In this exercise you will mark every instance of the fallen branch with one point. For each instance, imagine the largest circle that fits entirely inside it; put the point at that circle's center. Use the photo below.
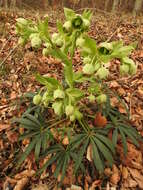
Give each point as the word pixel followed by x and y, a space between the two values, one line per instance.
pixel 8 55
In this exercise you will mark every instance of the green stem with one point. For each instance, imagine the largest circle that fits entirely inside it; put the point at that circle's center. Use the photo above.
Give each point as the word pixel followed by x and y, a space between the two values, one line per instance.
pixel 57 123
pixel 83 126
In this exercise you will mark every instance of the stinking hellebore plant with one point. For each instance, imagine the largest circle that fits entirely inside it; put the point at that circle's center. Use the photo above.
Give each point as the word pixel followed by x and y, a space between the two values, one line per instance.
pixel 65 97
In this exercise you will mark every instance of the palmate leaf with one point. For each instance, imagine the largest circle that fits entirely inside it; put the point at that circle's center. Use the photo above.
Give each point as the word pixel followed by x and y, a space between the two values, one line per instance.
pixel 90 47
pixel 131 136
pixel 48 81
pixel 49 162
pixel 87 14
pixel 27 152
pixel 80 155
pixel 69 13
pixel 65 163
pixel 27 124
pixel 106 141
pixel 115 137
pixel 28 135
pixel 74 157
pixel 77 141
pixel 68 71
pixel 60 156
pixel 102 147
pixel 38 133
pixel 33 119
pixel 96 157
pixel 125 131
pixel 59 164
pixel 124 142
pixel 104 151
pixel 38 147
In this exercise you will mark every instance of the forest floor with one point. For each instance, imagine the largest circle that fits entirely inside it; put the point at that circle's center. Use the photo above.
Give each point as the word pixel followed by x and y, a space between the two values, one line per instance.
pixel 17 68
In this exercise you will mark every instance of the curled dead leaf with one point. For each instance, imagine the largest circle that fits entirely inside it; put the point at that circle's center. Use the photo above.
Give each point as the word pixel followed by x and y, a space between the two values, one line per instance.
pixel 100 121
pixel 125 173
pixel 21 184
pixel 25 174
pixel 137 176
pixel 89 153
pixel 66 180
pixel 4 126
pixel 115 177
pixel 133 157
pixel 95 184
pixel 75 187
pixel 108 172
pixel 12 136
pixel 65 141
pixel 40 187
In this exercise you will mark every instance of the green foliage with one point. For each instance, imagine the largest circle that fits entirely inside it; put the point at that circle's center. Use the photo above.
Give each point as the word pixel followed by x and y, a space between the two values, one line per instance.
pixel 102 147
pixel 66 99
pixel 38 133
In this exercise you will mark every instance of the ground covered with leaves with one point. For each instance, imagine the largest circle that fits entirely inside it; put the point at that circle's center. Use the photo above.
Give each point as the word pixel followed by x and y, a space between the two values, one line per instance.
pixel 17 68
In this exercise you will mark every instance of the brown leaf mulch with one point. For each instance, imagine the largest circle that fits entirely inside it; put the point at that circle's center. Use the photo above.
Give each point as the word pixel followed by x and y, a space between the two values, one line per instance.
pixel 17 77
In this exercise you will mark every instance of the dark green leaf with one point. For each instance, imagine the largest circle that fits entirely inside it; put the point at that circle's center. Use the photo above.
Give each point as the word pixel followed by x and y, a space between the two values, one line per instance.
pixel 96 157
pixel 106 141
pixel 33 119
pixel 104 150
pixel 59 164
pixel 49 162
pixel 123 137
pixel 80 155
pixel 38 147
pixel 134 141
pixel 115 137
pixel 27 151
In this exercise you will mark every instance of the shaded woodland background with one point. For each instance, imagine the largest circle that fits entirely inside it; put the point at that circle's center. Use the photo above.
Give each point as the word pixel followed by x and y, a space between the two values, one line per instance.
pixel 133 6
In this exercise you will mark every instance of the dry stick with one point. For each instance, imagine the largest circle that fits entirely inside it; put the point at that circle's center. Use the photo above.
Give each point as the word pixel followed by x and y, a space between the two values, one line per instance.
pixel 8 55
pixel 5 44
pixel 130 106
pixel 112 34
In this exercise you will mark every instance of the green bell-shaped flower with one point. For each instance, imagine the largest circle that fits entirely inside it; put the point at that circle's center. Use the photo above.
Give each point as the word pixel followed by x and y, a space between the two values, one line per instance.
pixel 21 41
pixel 36 42
pixel 55 37
pixel 102 73
pixel 77 22
pixel 124 69
pixel 91 98
pixel 78 115
pixel 45 52
pixel 72 118
pixel 69 110
pixel 86 23
pixel 88 69
pixel 101 98
pixel 21 21
pixel 133 69
pixel 37 99
pixel 33 35
pixel 58 107
pixel 67 26
pixel 80 42
pixel 87 60
pixel 59 94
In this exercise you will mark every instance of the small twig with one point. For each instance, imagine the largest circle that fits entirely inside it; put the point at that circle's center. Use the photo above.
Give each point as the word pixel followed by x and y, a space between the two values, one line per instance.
pixel 8 55
pixel 130 105
pixel 112 34
pixel 5 44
